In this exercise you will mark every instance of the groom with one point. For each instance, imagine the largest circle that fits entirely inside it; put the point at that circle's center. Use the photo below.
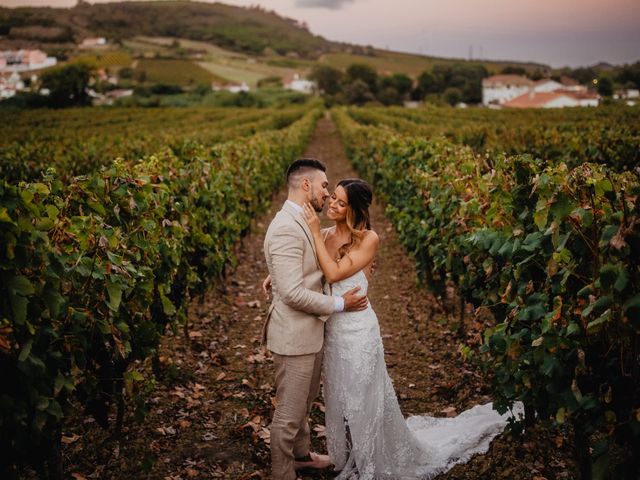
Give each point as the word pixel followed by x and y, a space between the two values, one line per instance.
pixel 294 328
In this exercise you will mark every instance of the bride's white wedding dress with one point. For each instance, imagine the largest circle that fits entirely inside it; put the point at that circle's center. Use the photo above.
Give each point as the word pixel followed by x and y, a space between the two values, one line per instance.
pixel 360 399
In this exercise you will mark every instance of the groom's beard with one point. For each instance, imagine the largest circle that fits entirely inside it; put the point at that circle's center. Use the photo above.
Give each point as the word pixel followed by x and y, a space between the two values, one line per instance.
pixel 317 204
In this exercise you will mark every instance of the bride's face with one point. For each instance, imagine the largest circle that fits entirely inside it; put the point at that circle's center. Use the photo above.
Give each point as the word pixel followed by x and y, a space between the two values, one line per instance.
pixel 338 204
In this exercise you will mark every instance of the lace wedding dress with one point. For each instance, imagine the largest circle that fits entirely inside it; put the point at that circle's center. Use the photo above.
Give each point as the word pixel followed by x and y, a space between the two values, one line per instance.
pixel 367 435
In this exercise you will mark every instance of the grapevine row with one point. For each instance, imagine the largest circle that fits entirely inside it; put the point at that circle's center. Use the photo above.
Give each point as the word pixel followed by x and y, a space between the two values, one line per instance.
pixel 93 271
pixel 86 140
pixel 610 136
pixel 552 251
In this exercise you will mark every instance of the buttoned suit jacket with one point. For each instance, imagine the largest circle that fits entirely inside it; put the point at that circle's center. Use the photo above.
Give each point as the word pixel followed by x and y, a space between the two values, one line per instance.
pixel 295 320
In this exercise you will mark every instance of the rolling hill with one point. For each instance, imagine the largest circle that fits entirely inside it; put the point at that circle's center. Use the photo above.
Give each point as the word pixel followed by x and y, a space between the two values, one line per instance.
pixel 275 45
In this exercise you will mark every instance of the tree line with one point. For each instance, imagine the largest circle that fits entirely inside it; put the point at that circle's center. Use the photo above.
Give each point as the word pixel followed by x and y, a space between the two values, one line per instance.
pixel 361 83
pixel 449 83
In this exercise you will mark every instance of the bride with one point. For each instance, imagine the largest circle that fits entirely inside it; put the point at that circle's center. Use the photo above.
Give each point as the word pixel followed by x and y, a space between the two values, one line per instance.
pixel 367 435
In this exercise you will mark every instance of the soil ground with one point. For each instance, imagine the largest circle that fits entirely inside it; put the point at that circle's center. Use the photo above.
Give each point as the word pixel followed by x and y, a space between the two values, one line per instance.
pixel 209 411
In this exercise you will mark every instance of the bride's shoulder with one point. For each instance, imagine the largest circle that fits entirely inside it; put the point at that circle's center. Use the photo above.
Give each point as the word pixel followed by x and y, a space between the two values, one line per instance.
pixel 371 234
pixel 371 237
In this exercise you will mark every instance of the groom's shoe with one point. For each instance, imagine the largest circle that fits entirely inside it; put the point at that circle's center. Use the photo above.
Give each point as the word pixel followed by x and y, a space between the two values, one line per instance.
pixel 313 460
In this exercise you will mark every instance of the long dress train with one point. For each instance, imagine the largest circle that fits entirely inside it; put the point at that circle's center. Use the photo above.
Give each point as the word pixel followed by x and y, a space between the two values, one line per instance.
pixel 367 435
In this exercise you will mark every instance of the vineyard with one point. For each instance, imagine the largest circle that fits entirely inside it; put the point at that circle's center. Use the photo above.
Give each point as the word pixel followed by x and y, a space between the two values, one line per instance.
pixel 80 141
pixel 608 135
pixel 545 238
pixel 94 267
pixel 113 221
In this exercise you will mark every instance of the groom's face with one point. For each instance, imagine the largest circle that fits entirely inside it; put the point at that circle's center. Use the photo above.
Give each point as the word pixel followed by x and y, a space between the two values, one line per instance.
pixel 318 192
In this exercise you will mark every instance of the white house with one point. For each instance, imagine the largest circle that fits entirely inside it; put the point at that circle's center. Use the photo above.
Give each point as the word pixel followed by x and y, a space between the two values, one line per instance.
pixel 555 99
pixel 571 84
pixel 626 93
pixel 25 60
pixel 546 85
pixel 234 88
pixel 92 42
pixel 517 91
pixel 300 84
pixel 498 89
pixel 10 85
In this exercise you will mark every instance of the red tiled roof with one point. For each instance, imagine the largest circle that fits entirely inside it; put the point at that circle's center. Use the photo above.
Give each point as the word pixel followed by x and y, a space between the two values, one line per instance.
pixel 580 95
pixel 533 99
pixel 542 81
pixel 568 81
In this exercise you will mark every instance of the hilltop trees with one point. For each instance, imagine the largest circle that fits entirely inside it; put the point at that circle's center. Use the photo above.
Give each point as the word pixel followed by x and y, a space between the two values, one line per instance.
pixel 360 83
pixel 327 78
pixel 457 82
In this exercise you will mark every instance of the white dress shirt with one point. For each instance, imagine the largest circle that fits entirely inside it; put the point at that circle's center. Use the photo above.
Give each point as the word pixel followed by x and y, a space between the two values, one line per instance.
pixel 338 301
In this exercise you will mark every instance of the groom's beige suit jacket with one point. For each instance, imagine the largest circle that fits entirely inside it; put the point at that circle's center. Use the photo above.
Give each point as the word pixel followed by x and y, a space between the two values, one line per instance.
pixel 295 320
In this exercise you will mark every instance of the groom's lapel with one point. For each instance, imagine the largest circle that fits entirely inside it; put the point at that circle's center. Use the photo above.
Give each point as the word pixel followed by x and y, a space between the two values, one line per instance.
pixel 297 217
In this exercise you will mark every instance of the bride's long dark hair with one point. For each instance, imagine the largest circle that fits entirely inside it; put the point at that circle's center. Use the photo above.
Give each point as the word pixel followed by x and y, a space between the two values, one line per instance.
pixel 359 197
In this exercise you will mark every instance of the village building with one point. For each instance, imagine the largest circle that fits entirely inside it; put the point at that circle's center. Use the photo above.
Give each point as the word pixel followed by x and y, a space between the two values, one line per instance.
pixel 93 42
pixel 25 60
pixel 498 89
pixel 546 85
pixel 300 84
pixel 571 84
pixel 626 93
pixel 553 99
pixel 233 88
pixel 10 85
pixel 517 91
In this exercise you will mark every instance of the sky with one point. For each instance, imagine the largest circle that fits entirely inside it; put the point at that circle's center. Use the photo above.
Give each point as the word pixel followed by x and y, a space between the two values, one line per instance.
pixel 555 32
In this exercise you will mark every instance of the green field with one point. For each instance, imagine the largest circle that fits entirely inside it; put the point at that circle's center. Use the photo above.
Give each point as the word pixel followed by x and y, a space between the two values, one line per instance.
pixel 105 59
pixel 388 62
pixel 174 72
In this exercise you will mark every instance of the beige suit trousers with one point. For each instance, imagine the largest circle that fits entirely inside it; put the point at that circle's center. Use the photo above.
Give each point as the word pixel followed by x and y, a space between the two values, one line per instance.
pixel 297 385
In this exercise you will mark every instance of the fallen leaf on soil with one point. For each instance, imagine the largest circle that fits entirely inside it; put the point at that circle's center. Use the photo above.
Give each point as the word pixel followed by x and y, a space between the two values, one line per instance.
pixel 78 476
pixel 248 383
pixel 178 392
pixel 265 435
pixel 254 304
pixel 257 358
pixel 70 439
pixel 320 431
pixel 449 411
pixel 195 334
pixel 256 474
pixel 221 376
pixel 254 423
pixel 166 430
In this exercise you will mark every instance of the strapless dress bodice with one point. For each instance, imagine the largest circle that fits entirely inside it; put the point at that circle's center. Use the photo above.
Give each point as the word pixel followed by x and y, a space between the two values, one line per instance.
pixel 358 279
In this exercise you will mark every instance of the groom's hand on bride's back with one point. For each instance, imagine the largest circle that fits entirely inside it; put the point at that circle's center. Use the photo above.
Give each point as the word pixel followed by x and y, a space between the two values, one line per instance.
pixel 354 302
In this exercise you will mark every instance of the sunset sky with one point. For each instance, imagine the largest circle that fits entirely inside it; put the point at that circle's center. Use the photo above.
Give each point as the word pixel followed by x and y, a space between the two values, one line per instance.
pixel 565 32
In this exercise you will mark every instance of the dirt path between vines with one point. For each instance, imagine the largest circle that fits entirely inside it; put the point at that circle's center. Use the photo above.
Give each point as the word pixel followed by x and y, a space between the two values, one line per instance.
pixel 209 411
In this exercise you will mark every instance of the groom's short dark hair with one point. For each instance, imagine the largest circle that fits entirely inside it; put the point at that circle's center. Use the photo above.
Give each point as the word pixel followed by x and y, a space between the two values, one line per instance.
pixel 303 164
